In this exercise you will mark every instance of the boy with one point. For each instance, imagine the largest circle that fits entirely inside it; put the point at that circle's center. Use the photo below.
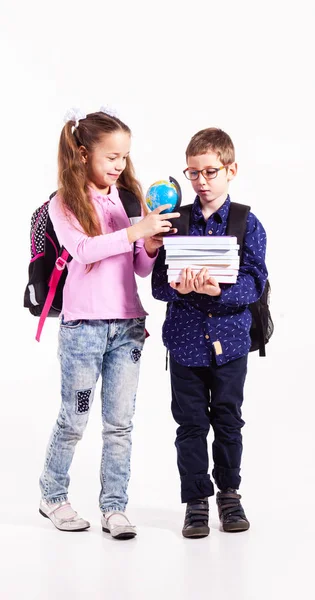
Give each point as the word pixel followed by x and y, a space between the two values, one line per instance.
pixel 206 331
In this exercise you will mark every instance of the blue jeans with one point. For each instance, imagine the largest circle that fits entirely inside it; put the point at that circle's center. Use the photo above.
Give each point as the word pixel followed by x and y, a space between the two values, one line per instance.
pixel 88 349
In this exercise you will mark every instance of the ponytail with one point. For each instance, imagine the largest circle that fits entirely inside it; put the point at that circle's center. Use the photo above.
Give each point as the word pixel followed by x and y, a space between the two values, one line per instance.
pixel 73 185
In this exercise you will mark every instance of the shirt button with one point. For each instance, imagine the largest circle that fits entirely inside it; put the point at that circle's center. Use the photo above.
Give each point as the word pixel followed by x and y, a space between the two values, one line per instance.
pixel 210 232
pixel 209 315
pixel 207 336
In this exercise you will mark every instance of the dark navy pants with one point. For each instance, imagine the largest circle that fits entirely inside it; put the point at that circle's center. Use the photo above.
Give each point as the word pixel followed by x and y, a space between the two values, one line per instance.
pixel 204 396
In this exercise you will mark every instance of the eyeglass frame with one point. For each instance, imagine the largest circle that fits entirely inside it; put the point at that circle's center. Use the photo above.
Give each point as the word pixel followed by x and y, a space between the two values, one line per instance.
pixel 216 169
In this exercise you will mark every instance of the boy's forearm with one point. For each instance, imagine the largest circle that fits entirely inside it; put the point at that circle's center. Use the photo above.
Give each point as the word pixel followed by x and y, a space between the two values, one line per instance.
pixel 161 290
pixel 246 290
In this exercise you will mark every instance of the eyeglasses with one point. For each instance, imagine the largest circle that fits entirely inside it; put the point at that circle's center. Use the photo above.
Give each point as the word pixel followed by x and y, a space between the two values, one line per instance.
pixel 209 173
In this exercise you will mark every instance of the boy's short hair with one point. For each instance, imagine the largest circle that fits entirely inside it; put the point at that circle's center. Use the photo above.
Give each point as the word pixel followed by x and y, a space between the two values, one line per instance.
pixel 212 140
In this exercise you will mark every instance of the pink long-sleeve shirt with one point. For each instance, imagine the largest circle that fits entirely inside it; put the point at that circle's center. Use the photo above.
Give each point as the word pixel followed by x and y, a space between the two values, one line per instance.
pixel 109 290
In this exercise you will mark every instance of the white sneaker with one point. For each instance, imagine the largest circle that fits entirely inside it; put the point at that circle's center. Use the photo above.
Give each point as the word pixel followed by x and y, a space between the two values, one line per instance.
pixel 117 524
pixel 63 516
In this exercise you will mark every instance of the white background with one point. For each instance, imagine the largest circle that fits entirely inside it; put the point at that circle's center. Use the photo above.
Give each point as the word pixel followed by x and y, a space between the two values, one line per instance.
pixel 168 69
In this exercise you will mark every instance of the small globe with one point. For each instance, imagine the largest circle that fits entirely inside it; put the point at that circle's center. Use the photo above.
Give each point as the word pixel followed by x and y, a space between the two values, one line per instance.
pixel 163 192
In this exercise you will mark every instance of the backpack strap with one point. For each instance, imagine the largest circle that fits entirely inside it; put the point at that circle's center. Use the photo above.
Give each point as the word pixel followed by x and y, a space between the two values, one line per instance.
pixel 130 203
pixel 237 220
pixel 260 332
pixel 183 222
pixel 63 258
pixel 237 226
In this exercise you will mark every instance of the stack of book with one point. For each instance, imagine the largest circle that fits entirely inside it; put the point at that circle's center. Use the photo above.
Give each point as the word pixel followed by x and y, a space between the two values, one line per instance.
pixel 219 254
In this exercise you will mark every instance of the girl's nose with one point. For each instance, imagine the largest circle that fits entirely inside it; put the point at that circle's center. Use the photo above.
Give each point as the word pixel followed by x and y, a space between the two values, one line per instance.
pixel 119 166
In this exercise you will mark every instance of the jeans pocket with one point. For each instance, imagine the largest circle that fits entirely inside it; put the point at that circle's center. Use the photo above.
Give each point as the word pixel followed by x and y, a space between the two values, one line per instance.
pixel 71 324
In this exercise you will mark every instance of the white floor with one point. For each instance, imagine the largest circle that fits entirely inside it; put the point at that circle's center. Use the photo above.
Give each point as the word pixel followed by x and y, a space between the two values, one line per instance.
pixel 274 560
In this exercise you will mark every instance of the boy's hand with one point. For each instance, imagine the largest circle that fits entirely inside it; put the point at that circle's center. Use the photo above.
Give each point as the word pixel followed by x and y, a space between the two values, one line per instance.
pixel 203 284
pixel 156 241
pixel 186 284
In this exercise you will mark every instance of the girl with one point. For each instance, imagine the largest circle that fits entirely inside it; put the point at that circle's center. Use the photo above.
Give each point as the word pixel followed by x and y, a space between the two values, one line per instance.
pixel 102 328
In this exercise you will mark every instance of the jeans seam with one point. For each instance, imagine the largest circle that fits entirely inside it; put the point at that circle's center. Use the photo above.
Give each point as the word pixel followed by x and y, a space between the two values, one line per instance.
pixel 48 457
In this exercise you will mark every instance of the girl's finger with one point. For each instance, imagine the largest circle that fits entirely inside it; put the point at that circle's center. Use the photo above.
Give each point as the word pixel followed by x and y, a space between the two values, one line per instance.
pixel 161 208
pixel 166 224
pixel 169 215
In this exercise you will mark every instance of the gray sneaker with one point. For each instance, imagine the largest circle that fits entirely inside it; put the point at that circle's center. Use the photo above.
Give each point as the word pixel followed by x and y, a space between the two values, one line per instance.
pixel 117 524
pixel 63 516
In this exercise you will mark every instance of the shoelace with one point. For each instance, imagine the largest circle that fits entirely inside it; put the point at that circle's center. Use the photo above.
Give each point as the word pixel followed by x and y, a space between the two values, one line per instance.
pixel 197 513
pixel 230 507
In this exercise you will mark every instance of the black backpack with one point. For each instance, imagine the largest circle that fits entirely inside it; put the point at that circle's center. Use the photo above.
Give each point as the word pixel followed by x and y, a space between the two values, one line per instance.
pixel 47 273
pixel 262 325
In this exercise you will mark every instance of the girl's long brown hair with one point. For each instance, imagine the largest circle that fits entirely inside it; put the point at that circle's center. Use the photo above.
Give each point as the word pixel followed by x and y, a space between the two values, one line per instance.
pixel 73 182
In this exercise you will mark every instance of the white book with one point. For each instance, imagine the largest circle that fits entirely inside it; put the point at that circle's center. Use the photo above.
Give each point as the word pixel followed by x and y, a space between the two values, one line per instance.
pixel 200 240
pixel 202 252
pixel 184 264
pixel 201 257
pixel 198 259
pixel 212 272
pixel 182 249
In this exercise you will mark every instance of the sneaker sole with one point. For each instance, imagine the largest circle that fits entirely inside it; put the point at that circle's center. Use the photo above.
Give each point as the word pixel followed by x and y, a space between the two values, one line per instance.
pixel 128 535
pixel 235 528
pixel 59 528
pixel 196 533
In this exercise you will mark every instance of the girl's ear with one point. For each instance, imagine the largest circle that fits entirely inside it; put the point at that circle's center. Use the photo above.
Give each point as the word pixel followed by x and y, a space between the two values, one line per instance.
pixel 83 154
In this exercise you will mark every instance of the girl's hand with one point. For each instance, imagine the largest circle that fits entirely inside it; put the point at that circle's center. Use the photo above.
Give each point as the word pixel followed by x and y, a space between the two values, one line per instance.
pixel 203 284
pixel 186 284
pixel 153 243
pixel 152 224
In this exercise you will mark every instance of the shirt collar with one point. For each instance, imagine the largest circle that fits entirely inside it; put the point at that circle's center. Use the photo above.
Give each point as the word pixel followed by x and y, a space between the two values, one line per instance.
pixel 219 216
pixel 112 196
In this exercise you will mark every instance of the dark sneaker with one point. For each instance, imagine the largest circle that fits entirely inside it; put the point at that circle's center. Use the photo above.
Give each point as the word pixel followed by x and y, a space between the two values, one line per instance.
pixel 196 519
pixel 231 512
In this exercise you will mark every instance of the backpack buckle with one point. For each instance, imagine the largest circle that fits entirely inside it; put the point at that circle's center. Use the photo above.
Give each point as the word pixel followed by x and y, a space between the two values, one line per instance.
pixel 60 263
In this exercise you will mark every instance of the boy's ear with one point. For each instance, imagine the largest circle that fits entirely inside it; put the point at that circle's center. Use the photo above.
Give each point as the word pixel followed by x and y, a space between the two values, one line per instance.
pixel 83 154
pixel 232 171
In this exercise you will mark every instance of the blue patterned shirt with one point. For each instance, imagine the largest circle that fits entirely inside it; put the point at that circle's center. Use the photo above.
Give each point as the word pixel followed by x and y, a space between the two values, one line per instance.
pixel 198 326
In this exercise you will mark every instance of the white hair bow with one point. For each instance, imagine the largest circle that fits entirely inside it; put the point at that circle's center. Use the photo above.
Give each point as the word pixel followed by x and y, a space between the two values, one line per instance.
pixel 109 111
pixel 74 114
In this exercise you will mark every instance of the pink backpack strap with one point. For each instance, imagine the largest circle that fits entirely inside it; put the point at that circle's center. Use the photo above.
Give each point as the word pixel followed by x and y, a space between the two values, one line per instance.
pixel 52 287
